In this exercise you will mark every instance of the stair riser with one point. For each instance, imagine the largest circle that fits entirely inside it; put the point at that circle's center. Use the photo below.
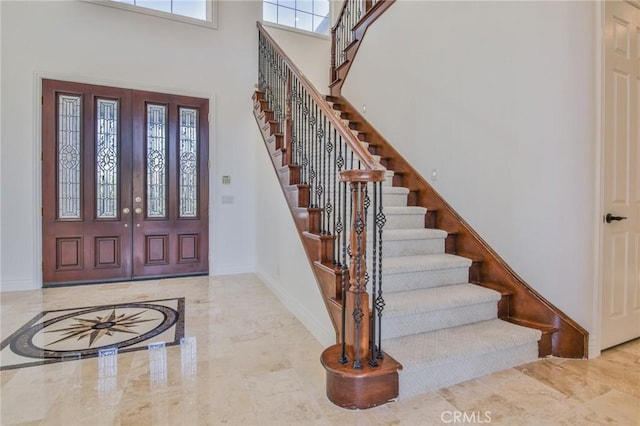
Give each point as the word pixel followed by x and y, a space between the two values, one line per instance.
pixel 414 381
pixel 393 248
pixel 445 318
pixel 403 221
pixel 423 279
pixel 394 200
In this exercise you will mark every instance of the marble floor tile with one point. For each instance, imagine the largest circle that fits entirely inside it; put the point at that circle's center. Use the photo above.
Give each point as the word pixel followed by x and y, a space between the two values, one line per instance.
pixel 249 361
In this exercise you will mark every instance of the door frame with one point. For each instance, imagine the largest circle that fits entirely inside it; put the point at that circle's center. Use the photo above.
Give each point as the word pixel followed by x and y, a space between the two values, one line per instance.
pixel 38 77
pixel 595 336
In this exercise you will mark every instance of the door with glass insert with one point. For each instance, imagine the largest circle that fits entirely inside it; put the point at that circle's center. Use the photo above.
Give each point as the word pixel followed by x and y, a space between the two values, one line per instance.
pixel 124 184
pixel 170 227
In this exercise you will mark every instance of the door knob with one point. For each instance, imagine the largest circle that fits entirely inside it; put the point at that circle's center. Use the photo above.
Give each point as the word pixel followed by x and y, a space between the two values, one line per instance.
pixel 126 210
pixel 138 210
pixel 610 218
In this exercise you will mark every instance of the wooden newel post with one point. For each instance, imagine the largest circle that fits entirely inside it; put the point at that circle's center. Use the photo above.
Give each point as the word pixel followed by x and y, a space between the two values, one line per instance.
pixel 357 327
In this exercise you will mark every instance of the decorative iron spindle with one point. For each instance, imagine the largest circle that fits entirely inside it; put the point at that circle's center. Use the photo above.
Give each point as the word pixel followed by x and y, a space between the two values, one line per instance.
pixel 378 300
pixel 343 313
pixel 374 282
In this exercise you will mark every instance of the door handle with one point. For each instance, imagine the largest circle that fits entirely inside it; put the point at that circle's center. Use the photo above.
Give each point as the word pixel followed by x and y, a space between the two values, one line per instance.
pixel 126 210
pixel 138 210
pixel 610 218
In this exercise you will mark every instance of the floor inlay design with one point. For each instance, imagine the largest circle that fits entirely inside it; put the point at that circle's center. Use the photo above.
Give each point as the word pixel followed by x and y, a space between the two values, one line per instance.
pixel 58 335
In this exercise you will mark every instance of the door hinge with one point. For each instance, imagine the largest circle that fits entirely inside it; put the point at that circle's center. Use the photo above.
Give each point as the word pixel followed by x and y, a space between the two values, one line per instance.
pixel 42 100
pixel 41 211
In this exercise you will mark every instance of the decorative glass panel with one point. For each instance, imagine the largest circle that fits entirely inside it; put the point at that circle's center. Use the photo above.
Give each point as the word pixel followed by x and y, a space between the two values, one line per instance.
pixel 188 162
pixel 107 166
pixel 68 157
pixel 156 160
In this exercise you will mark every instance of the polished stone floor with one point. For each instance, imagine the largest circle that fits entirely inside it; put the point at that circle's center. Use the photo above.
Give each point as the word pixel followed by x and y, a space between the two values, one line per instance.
pixel 245 360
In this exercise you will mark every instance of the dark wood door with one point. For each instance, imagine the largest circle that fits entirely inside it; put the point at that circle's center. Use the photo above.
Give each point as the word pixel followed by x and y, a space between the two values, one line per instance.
pixel 170 190
pixel 125 184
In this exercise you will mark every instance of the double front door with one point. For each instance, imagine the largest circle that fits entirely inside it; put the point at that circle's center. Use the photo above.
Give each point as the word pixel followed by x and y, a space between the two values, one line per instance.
pixel 125 184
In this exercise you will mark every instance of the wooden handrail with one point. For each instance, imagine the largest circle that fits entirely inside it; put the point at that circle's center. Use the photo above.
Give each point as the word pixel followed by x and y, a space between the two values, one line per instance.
pixel 340 15
pixel 347 135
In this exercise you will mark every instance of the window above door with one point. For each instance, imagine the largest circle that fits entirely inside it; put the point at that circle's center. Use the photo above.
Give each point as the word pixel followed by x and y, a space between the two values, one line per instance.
pixel 198 12
pixel 306 15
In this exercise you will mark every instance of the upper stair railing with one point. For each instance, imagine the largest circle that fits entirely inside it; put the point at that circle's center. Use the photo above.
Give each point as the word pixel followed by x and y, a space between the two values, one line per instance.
pixel 342 187
pixel 353 20
pixel 342 34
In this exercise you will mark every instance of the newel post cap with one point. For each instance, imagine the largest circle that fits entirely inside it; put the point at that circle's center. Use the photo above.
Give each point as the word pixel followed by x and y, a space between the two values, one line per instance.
pixel 366 175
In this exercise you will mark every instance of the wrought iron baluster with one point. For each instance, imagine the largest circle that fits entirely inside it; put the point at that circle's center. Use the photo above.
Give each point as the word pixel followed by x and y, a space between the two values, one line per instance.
pixel 334 175
pixel 299 138
pixel 374 283
pixel 327 176
pixel 317 151
pixel 343 328
pixel 340 225
pixel 305 144
pixel 322 170
pixel 295 138
pixel 380 221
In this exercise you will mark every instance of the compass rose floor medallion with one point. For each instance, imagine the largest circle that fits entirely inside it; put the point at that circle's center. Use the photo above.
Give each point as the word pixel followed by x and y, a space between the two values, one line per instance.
pixel 56 335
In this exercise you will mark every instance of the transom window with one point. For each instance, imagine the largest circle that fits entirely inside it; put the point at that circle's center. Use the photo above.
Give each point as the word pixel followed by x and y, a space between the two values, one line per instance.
pixel 195 11
pixel 307 15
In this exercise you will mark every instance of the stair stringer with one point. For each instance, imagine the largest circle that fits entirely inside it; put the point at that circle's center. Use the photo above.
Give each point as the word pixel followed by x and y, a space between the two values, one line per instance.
pixel 561 336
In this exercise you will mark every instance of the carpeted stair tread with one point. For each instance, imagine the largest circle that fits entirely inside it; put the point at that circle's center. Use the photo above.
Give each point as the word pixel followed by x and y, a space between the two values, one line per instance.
pixel 428 262
pixel 435 299
pixel 460 343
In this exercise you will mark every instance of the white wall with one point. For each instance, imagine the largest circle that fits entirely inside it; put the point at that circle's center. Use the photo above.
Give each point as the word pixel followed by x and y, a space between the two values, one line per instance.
pixel 91 43
pixel 500 98
pixel 310 53
pixel 281 262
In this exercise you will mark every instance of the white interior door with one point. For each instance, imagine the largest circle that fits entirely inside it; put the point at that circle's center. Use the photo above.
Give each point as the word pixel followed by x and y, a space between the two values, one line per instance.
pixel 621 244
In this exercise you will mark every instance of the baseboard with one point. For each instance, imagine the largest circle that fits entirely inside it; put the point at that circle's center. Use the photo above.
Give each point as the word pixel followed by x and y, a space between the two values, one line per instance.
pixel 322 331
pixel 594 346
pixel 18 285
pixel 232 269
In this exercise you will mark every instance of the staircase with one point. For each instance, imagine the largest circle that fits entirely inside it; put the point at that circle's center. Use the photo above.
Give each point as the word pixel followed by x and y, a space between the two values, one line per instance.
pixel 450 309
pixel 439 326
